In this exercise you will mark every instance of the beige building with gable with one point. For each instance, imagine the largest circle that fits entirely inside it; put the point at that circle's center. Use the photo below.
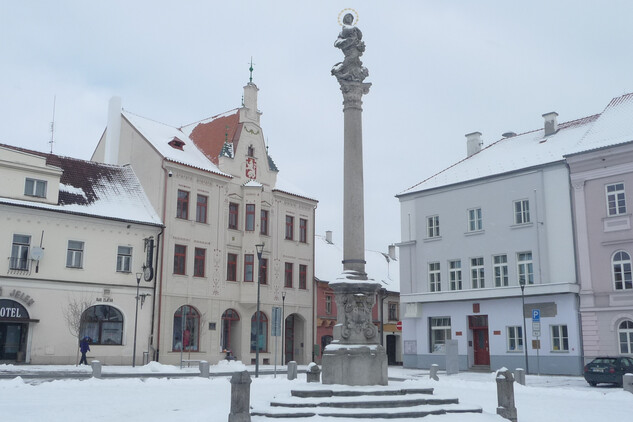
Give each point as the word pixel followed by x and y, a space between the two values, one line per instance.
pixel 218 192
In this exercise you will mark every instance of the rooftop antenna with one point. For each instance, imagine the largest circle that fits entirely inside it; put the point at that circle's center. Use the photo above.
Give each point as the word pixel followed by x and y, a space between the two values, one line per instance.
pixel 250 79
pixel 53 125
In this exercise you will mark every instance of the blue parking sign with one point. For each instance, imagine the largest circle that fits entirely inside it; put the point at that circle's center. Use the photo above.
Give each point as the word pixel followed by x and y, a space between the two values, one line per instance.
pixel 536 315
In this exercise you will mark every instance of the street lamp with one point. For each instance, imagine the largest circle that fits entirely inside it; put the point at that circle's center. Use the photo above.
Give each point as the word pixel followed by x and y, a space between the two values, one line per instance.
pixel 138 283
pixel 522 284
pixel 283 325
pixel 260 250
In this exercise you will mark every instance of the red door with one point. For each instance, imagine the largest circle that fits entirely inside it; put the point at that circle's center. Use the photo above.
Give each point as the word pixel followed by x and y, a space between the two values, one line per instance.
pixel 481 349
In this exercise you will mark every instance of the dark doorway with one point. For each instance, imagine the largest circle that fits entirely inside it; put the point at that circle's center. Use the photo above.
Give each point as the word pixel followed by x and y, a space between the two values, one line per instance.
pixel 481 349
pixel 289 342
pixel 391 349
pixel 13 341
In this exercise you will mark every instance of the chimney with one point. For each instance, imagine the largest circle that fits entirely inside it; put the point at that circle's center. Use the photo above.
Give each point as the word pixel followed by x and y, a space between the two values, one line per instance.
pixel 249 112
pixel 392 252
pixel 473 143
pixel 328 236
pixel 551 123
pixel 113 131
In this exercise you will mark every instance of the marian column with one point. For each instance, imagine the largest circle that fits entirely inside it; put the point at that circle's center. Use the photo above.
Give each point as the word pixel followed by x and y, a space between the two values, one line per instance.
pixel 355 356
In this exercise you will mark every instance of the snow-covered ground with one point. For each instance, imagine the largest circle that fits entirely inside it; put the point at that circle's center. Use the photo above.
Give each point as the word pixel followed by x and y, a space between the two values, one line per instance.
pixel 156 399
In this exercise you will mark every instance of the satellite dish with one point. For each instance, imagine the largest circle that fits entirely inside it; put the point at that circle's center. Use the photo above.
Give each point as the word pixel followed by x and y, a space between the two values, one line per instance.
pixel 37 253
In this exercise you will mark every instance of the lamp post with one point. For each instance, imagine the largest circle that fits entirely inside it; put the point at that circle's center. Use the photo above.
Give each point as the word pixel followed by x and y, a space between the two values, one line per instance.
pixel 283 326
pixel 260 249
pixel 522 284
pixel 138 283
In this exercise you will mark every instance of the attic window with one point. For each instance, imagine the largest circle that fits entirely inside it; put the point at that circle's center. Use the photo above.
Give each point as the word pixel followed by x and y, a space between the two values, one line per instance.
pixel 176 143
pixel 251 151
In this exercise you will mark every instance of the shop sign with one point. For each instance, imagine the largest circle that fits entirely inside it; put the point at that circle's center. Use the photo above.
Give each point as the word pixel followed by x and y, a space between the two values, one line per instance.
pixel 20 295
pixel 8 312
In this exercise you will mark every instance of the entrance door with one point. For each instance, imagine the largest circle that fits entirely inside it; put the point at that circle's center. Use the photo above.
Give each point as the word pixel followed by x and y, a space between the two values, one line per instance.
pixel 289 343
pixel 391 349
pixel 481 349
pixel 12 341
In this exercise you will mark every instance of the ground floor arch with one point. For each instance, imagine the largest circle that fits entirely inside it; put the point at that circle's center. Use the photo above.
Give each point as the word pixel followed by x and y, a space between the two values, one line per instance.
pixel 294 339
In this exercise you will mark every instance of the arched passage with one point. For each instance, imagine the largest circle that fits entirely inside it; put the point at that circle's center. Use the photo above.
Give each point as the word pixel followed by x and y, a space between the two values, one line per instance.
pixel 294 339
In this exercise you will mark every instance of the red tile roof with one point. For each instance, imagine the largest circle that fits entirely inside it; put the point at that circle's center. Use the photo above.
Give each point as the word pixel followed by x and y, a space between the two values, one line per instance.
pixel 209 137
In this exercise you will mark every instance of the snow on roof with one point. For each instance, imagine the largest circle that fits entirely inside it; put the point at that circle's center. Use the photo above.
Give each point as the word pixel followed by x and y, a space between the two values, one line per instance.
pixel 328 259
pixel 160 135
pixel 283 185
pixel 252 184
pixel 614 125
pixel 96 190
pixel 211 134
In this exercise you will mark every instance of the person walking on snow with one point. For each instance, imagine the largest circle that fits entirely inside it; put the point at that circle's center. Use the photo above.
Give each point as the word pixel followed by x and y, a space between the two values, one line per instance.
pixel 84 347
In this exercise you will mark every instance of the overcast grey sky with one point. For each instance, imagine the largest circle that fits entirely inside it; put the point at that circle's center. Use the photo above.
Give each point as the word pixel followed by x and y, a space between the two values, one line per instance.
pixel 439 69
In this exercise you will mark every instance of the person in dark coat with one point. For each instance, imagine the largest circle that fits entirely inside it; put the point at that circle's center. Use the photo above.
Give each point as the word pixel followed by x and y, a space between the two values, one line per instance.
pixel 84 347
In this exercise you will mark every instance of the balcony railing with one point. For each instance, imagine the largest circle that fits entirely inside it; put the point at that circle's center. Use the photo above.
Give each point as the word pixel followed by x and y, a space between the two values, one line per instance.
pixel 19 265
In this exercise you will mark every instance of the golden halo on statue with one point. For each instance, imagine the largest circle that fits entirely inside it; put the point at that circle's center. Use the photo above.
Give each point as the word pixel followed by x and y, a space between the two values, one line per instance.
pixel 348 10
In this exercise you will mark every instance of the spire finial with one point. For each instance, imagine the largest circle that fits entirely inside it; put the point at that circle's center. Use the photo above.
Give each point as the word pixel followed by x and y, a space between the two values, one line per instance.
pixel 250 79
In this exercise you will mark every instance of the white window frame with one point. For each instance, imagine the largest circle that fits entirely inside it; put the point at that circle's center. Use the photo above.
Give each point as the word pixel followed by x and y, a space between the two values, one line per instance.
pixel 328 304
pixel 440 331
pixel 435 282
pixel 124 259
pixel 616 199
pixel 35 187
pixel 521 209
pixel 525 267
pixel 433 226
pixel 475 221
pixel 625 337
pixel 477 273
pixel 74 254
pixel 559 335
pixel 621 271
pixel 515 338
pixel 455 274
pixel 500 270
pixel 20 252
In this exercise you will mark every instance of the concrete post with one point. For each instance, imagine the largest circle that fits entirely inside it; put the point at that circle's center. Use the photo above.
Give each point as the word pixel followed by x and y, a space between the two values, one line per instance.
pixel 204 369
pixel 240 397
pixel 627 382
pixel 519 376
pixel 313 374
pixel 505 395
pixel 433 373
pixel 292 370
pixel 96 368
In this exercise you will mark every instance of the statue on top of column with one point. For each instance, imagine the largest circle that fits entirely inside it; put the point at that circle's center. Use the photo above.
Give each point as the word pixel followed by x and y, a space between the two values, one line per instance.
pixel 350 41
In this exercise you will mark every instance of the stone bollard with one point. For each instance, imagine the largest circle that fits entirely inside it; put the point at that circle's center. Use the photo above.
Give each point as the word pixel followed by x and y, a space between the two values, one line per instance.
pixel 204 369
pixel 433 373
pixel 292 370
pixel 96 368
pixel 452 357
pixel 313 374
pixel 505 395
pixel 519 376
pixel 240 397
pixel 627 382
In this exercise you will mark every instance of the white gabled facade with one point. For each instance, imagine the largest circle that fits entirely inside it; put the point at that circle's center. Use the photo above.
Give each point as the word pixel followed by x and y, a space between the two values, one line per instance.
pixel 210 264
pixel 72 233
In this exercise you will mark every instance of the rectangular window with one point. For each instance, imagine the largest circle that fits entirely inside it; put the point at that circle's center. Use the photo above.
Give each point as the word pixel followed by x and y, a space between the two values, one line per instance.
pixel 124 259
pixel 263 227
pixel 560 341
pixel 290 227
pixel 477 273
pixel 515 339
pixel 233 214
pixel 201 208
pixel 231 267
pixel 328 304
pixel 440 332
pixel 200 257
pixel 303 230
pixel 288 275
pixel 500 268
pixel 392 311
pixel 249 264
pixel 250 218
pixel 75 254
pixel 180 259
pixel 263 271
pixel 522 211
pixel 34 187
pixel 303 276
pixel 182 207
pixel 616 201
pixel 474 220
pixel 433 226
pixel 455 274
pixel 20 252
pixel 434 277
pixel 524 262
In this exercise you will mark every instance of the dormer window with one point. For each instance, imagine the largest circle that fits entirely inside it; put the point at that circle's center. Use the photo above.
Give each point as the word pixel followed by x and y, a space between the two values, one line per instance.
pixel 251 151
pixel 34 187
pixel 176 143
